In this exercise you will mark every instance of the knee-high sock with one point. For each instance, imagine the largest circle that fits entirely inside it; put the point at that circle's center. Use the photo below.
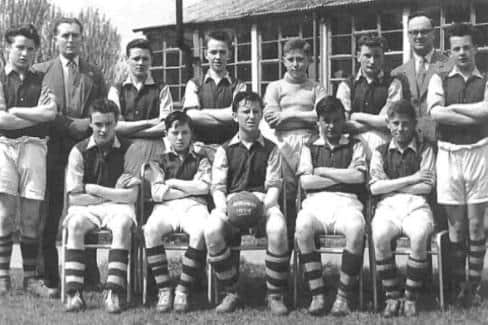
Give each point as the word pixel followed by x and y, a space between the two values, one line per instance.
pixel 118 259
pixel 193 263
pixel 457 263
pixel 477 250
pixel 29 248
pixel 225 269
pixel 157 261
pixel 312 265
pixel 277 270
pixel 416 272
pixel 5 254
pixel 350 269
pixel 388 274
pixel 74 270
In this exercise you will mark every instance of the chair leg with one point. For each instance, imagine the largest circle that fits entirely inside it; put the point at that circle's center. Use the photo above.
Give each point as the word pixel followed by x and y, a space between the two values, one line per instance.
pixel 296 270
pixel 64 238
pixel 144 277
pixel 372 270
pixel 440 239
pixel 129 275
pixel 210 283
pixel 361 289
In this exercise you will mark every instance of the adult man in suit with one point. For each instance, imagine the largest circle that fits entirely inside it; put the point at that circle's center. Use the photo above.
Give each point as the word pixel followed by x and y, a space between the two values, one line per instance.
pixel 419 69
pixel 76 84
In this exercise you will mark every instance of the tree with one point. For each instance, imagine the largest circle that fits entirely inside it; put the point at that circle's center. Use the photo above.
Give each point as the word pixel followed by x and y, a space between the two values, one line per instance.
pixel 101 44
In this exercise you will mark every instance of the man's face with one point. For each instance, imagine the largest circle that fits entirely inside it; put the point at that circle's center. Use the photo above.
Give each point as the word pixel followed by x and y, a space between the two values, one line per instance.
pixel 21 52
pixel 463 51
pixel 371 60
pixel 103 126
pixel 68 40
pixel 139 61
pixel 402 128
pixel 296 63
pixel 331 126
pixel 217 54
pixel 421 35
pixel 179 136
pixel 248 115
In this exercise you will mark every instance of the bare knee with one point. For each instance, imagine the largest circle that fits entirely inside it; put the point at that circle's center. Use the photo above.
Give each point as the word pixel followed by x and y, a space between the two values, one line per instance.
pixel 382 237
pixel 354 233
pixel 214 232
pixel 77 226
pixel 122 227
pixel 277 235
pixel 304 228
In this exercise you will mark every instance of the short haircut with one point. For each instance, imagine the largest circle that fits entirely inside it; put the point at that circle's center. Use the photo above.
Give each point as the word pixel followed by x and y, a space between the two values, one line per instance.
pixel 329 105
pixel 67 20
pixel 27 30
pixel 421 14
pixel 247 96
pixel 104 106
pixel 297 44
pixel 138 43
pixel 372 40
pixel 401 107
pixel 219 35
pixel 463 29
pixel 177 116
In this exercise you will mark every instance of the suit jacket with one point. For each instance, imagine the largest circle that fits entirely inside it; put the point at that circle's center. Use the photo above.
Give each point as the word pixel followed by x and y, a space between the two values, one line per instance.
pixel 92 84
pixel 418 96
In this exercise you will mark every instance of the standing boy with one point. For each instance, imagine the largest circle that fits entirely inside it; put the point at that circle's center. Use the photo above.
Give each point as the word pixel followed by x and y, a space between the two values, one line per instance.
pixel 333 173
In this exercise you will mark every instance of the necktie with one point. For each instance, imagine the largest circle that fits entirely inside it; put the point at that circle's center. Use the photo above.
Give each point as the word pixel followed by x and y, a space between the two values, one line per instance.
pixel 73 81
pixel 421 72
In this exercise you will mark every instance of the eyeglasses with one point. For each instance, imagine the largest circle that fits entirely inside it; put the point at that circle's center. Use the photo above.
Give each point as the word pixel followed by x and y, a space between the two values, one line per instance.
pixel 414 32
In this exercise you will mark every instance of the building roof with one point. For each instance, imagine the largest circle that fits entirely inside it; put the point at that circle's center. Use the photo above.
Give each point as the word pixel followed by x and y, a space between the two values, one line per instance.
pixel 205 11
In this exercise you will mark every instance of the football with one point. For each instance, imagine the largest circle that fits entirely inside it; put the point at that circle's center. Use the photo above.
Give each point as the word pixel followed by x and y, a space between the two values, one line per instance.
pixel 244 210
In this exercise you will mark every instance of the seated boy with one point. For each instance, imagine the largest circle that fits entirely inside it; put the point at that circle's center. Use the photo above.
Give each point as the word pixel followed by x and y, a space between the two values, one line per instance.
pixel 180 182
pixel 248 162
pixel 332 174
pixel 100 195
pixel 402 173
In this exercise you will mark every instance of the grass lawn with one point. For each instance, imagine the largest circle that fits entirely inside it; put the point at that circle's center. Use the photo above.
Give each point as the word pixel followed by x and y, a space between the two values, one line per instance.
pixel 17 308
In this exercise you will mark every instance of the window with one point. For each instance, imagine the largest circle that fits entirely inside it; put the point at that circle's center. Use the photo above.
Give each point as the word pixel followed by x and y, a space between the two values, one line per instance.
pixel 273 35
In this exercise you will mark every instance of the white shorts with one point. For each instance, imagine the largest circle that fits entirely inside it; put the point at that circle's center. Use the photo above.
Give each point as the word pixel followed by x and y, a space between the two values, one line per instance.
pixel 404 211
pixel 462 173
pixel 371 140
pixel 102 214
pixel 23 167
pixel 182 214
pixel 333 210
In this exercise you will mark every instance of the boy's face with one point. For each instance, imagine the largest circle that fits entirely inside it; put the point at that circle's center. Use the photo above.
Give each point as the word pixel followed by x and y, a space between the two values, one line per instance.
pixel 371 60
pixel 248 115
pixel 296 63
pixel 463 51
pixel 402 128
pixel 139 61
pixel 103 126
pixel 331 126
pixel 179 136
pixel 21 52
pixel 217 54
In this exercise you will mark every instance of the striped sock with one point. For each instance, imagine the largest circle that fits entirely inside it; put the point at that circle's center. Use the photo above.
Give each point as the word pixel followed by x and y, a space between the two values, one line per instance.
pixel 457 263
pixel 74 270
pixel 156 259
pixel 477 250
pixel 29 248
pixel 193 262
pixel 416 272
pixel 117 269
pixel 5 254
pixel 312 265
pixel 225 270
pixel 387 272
pixel 277 269
pixel 350 269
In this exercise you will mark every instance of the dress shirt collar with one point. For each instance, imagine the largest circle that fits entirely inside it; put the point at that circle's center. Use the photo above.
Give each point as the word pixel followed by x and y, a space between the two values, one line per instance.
pixel 236 139
pixel 455 70
pixel 212 75
pixel 344 140
pixel 412 145
pixel 427 57
pixel 65 61
pixel 170 149
pixel 91 143
pixel 360 75
pixel 148 81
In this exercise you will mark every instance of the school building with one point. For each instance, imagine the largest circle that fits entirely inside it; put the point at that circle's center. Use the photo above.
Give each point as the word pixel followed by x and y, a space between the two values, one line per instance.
pixel 260 27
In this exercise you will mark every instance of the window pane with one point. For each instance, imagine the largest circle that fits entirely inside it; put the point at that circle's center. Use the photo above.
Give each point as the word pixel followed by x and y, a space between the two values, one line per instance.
pixel 269 32
pixel 482 35
pixel 157 59
pixel 244 35
pixel 437 40
pixel 394 40
pixel 269 50
pixel 481 12
pixel 341 25
pixel 393 61
pixel 244 72
pixel 244 53
pixel 290 29
pixel 172 59
pixel 307 27
pixel 458 12
pixel 482 61
pixel 391 20
pixel 366 21
pixel 341 68
pixel 172 76
pixel 341 45
pixel 271 71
